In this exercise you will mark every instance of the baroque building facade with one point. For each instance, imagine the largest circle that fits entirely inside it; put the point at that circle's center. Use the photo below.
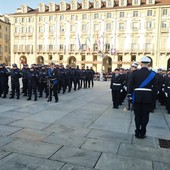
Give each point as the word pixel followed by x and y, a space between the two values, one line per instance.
pixel 4 40
pixel 99 34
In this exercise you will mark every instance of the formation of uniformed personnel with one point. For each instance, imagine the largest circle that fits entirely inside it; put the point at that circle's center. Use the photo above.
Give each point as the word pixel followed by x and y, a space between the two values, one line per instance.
pixel 167 92
pixel 25 71
pixel 43 82
pixel 143 84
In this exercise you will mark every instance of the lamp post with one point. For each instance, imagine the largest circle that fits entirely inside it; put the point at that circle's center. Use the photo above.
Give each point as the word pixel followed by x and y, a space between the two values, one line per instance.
pixel 101 73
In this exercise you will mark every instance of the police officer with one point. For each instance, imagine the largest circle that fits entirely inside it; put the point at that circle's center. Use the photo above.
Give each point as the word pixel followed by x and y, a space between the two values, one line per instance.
pixel 52 79
pixel 25 72
pixel 62 78
pixel 143 85
pixel 32 83
pixel 115 86
pixel 167 91
pixel 15 76
pixel 88 74
pixel 42 81
pixel 83 78
pixel 78 77
pixel 92 73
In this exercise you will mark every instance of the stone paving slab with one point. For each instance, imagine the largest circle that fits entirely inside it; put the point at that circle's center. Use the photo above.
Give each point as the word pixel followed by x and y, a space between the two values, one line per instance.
pixel 66 140
pixel 47 116
pixel 68 130
pixel 14 114
pixel 112 136
pixel 5 139
pixel 31 134
pixel 161 166
pixel 7 130
pixel 149 142
pixel 111 124
pixel 33 148
pixel 112 162
pixel 146 153
pixel 101 146
pixel 76 156
pixel 6 120
pixel 6 109
pixel 3 154
pixel 74 167
pixel 23 162
pixel 30 124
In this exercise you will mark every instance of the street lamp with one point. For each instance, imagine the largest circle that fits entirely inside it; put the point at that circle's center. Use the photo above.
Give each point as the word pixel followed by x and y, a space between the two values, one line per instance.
pixel 101 73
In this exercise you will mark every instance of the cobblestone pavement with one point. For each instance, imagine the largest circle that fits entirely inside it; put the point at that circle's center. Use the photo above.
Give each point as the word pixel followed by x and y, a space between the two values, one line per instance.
pixel 80 132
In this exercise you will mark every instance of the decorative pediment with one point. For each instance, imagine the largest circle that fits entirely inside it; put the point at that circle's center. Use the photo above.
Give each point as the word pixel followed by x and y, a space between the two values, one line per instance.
pixel 52 7
pixel 122 3
pixel 63 6
pixel 25 8
pixel 74 5
pixel 42 7
pixel 97 3
pixel 85 4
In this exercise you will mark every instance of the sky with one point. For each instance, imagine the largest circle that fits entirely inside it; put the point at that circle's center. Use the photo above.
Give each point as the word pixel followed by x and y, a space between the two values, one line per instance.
pixel 10 6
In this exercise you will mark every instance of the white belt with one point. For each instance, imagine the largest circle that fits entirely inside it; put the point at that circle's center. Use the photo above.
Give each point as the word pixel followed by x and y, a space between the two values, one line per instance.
pixel 142 89
pixel 116 84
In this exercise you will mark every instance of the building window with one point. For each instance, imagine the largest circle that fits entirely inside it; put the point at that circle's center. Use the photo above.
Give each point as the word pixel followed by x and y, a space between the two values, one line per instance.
pixel 85 5
pixel 108 26
pixel 73 17
pixel 121 26
pixel 164 12
pixel 149 25
pixel 150 2
pixel 72 28
pixel 16 30
pixel 96 27
pixel 61 17
pixel 107 47
pixel 84 27
pixel 95 47
pixel 96 16
pixel 84 16
pixel 30 19
pixel 149 13
pixel 61 47
pixel 109 15
pixel 136 2
pixel 22 20
pixel 109 3
pixel 84 47
pixel 134 46
pixel 148 46
pixel 135 25
pixel 122 3
pixel 73 6
pixel 40 19
pixel 51 29
pixel 51 47
pixel 41 29
pixel 121 14
pixel 50 18
pixel 61 28
pixel 133 58
pixel 97 4
pixel 40 47
pixel 164 24
pixel 29 30
pixel 135 13
pixel 72 47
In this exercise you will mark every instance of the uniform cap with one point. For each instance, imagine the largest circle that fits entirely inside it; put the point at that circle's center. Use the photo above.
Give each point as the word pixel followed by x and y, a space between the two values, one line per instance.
pixel 116 69
pixel 145 59
pixel 14 65
pixel 134 65
pixel 25 65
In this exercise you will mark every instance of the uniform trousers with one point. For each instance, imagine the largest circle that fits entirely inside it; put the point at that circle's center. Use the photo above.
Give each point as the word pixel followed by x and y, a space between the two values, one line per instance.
pixel 141 111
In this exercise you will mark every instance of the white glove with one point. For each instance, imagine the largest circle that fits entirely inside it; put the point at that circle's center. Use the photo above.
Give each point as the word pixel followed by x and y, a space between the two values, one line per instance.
pixel 110 89
pixel 158 92
pixel 166 94
pixel 125 88
pixel 121 90
pixel 163 89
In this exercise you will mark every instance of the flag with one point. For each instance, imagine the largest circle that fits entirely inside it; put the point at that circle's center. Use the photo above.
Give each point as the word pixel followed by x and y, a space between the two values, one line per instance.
pixel 88 44
pixel 78 43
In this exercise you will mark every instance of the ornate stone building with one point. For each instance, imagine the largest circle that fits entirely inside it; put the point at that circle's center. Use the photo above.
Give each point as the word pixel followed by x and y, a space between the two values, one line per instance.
pixel 100 34
pixel 4 40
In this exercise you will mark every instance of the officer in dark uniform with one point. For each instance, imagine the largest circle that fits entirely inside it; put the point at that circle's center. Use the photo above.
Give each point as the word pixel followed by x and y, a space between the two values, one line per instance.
pixel 83 78
pixel 52 82
pixel 3 81
pixel 62 78
pixel 42 81
pixel 115 86
pixel 68 77
pixel 167 91
pixel 88 73
pixel 15 76
pixel 78 78
pixel 25 72
pixel 143 85
pixel 92 73
pixel 32 83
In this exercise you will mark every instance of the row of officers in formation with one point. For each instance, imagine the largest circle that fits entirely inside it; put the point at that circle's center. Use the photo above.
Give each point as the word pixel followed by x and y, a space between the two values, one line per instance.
pixel 121 84
pixel 47 80
pixel 142 87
